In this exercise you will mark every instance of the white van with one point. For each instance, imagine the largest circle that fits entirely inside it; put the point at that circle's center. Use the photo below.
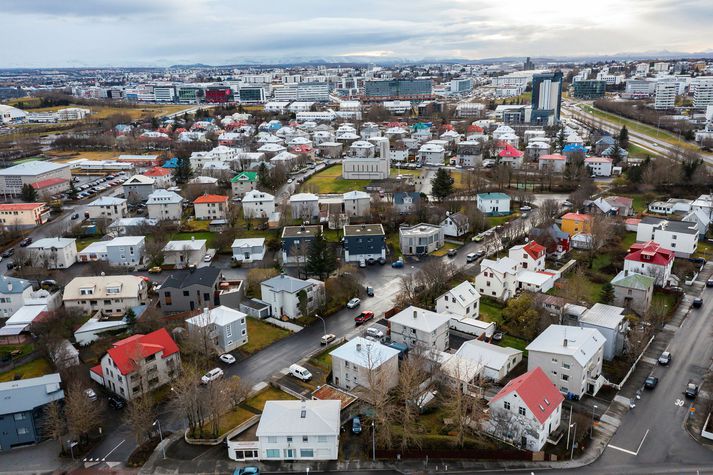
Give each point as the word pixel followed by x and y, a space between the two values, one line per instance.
pixel 212 375
pixel 300 373
pixel 375 332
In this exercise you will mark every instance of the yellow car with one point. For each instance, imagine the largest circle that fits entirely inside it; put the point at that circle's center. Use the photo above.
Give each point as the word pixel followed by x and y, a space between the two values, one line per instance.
pixel 155 270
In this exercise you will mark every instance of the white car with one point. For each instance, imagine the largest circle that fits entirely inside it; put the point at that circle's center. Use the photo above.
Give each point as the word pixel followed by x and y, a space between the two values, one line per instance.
pixel 227 358
pixel 290 180
pixel 375 333
pixel 207 258
pixel 353 303
pixel 212 375
pixel 91 395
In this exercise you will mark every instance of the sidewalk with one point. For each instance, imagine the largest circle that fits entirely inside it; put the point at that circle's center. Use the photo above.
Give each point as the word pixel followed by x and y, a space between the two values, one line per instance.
pixel 35 459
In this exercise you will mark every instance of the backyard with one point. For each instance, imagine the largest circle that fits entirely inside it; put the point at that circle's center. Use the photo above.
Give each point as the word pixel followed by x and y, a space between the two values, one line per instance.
pixel 262 335
pixel 330 180
pixel 32 369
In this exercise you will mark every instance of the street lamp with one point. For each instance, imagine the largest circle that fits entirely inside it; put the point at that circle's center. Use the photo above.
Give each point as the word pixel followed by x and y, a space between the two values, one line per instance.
pixel 591 433
pixel 574 439
pixel 160 434
pixel 373 442
pixel 323 323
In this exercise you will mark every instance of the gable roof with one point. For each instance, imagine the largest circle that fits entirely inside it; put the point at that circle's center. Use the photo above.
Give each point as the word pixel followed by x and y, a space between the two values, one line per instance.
pixel 365 353
pixel 651 253
pixel 491 356
pixel 286 283
pixel 420 319
pixel 577 217
pixel 602 315
pixel 245 176
pixel 210 199
pixel 220 316
pixel 157 171
pixel 48 182
pixel 311 417
pixel 536 391
pixel 510 152
pixel 125 351
pixel 20 206
pixel 400 196
pixel 493 196
pixel 139 180
pixel 633 280
pixel 533 249
pixel 464 293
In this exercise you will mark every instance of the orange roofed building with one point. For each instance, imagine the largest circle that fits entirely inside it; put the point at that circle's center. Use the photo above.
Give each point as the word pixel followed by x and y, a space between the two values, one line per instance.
pixel 211 207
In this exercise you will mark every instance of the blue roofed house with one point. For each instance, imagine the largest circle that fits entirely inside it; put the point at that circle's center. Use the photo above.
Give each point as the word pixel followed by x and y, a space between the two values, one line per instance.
pixel 363 242
pixel 22 407
pixel 603 144
pixel 572 149
pixel 171 163
pixel 406 202
pixel 493 204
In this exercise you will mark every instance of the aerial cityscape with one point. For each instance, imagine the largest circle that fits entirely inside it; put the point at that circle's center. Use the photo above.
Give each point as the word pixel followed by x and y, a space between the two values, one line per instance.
pixel 385 237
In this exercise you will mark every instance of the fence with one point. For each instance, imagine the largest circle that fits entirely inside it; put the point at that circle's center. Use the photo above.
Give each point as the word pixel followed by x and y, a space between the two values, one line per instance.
pixel 454 454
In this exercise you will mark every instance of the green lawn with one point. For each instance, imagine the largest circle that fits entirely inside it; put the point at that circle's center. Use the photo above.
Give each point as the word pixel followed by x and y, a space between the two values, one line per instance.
pixel 668 301
pixel 601 261
pixel 258 401
pixel 444 250
pixel 83 242
pixel 498 220
pixel 628 239
pixel 33 369
pixel 404 171
pixel 231 419
pixel 637 152
pixel 491 310
pixel 261 334
pixel 330 180
pixel 392 241
pixel 332 235
pixel 705 250
pixel 25 349
pixel 514 342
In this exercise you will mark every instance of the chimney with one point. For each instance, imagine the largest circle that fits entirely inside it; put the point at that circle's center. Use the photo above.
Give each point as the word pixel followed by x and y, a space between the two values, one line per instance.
pixel 193 238
pixel 9 286
pixel 415 314
pixel 564 343
pixel 626 272
pixel 358 346
pixel 282 274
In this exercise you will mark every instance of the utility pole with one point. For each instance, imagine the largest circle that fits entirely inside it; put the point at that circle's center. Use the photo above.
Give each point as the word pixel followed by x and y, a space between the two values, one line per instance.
pixel 373 442
pixel 574 439
pixel 569 425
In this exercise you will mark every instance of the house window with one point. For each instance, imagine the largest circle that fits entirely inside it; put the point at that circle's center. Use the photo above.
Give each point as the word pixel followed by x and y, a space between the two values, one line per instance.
pixel 305 438
pixel 20 416
pixel 306 453
pixel 506 405
pixel 521 411
pixel 565 377
pixel 271 439
pixel 229 331
pixel 565 365
pixel 289 438
pixel 272 453
pixel 321 439
pixel 22 431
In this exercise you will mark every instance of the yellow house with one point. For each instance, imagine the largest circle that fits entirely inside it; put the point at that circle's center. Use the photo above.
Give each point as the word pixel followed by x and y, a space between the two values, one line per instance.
pixel 23 215
pixel 575 223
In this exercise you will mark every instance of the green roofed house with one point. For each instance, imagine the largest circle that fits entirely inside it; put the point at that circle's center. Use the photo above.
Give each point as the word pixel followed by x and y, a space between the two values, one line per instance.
pixel 493 204
pixel 243 182
pixel 633 291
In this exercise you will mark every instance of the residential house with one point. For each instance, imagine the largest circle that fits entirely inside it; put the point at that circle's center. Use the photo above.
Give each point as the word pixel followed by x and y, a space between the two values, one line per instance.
pixel 363 242
pixel 603 144
pixel 356 203
pixel 469 153
pixel 611 322
pixel 138 364
pixel 183 292
pixel 406 202
pixel 131 226
pixel 431 154
pixel 536 149
pixel 283 294
pixel 599 166
pixel 295 242
pixel 511 156
pixel 651 259
pixel 163 178
pixel 633 291
pixel 182 254
pixel 671 206
pixel 298 431
pixel 360 363
pixel 139 187
pixel 462 300
pixel 681 237
pixel 418 327
pixel 571 357
pixel 700 219
pixel 121 251
pixel 531 256
pixel 304 206
pixel 455 225
pixel 19 216
pixel 53 253
pixel 420 239
pixel 243 183
pixel 108 207
pixel 493 204
pixel 211 207
pixel 576 223
pixel 552 163
pixel 258 204
pixel 225 328
pixel 14 293
pixel 496 361
pixel 111 295
pixel 526 411
pixel 248 250
pixel 22 409
pixel 164 205
pixel 555 240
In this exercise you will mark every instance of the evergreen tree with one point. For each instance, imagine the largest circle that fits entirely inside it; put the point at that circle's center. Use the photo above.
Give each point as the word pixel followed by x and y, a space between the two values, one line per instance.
pixel 560 139
pixel 321 261
pixel 183 169
pixel 130 317
pixel 264 181
pixel 72 190
pixel 442 184
pixel 624 137
pixel 28 194
pixel 617 153
pixel 607 293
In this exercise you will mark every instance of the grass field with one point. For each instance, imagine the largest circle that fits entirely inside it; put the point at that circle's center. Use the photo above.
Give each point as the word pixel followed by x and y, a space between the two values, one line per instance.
pixel 491 311
pixel 637 152
pixel 268 394
pixel 444 250
pixel 514 342
pixel 83 242
pixel 330 180
pixel 261 335
pixel 668 301
pixel 102 112
pixel 628 240
pixel 33 369
pixel 498 220
pixel 69 156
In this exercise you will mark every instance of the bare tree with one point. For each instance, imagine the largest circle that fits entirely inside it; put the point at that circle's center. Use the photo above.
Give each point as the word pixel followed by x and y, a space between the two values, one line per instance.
pixel 575 288
pixel 83 415
pixel 186 398
pixel 546 212
pixel 600 231
pixel 140 415
pixel 236 390
pixel 464 409
pixel 54 424
pixel 378 394
pixel 411 375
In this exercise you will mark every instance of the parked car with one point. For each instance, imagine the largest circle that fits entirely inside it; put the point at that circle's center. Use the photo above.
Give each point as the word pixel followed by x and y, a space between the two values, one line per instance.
pixel 382 261
pixel 290 180
pixel 227 358
pixel 371 261
pixel 375 332
pixel 525 208
pixel 478 237
pixel 116 402
pixel 452 253
pixel 498 336
pixel 155 270
pixel 362 263
pixel 250 470
pixel 91 395
pixel 26 242
pixel 471 257
pixel 397 264
pixel 212 375
pixel 709 282
pixel 356 425
pixel 207 258
pixel 327 339
pixel 651 382
pixel 353 303
pixel 665 358
pixel 697 302
pixel 691 390
pixel 49 284
pixel 300 372
pixel 75 216
pixel 8 252
pixel 370 291
pixel 364 316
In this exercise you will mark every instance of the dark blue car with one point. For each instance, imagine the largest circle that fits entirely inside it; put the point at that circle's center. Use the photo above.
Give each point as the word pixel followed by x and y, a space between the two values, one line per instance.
pixel 397 264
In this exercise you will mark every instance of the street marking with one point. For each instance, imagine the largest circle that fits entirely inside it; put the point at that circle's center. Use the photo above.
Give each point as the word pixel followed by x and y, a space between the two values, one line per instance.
pixel 623 450
pixel 642 441
pixel 629 451
pixel 112 450
pixel 679 402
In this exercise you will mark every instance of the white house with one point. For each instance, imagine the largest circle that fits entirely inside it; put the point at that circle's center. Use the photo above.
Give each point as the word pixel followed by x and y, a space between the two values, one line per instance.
pixel 496 361
pixel 211 207
pixel 258 204
pixel 571 357
pixel 462 300
pixel 651 259
pixel 553 163
pixel 298 430
pixel 599 166
pixel 108 207
pixel 53 253
pixel 109 294
pixel 164 205
pixel 681 237
pixel 356 203
pixel 121 251
pixel 304 206
pixel 422 238
pixel 13 294
pixel 432 154
pixel 361 363
pixel 526 411
pixel 611 322
pixel 455 225
pixel 416 326
pixel 184 253
pixel 248 250
pixel 493 203
pixel 283 292
pixel 225 327
pixel 531 256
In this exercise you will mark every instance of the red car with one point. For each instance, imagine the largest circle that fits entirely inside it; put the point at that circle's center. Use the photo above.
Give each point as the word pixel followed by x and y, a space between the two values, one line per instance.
pixel 363 317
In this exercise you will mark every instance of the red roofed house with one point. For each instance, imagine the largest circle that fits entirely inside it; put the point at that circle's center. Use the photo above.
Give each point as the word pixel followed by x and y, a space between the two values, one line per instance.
pixel 526 411
pixel 530 256
pixel 50 186
pixel 211 207
pixel 138 364
pixel 23 215
pixel 649 258
pixel 511 156
pixel 163 177
pixel 552 162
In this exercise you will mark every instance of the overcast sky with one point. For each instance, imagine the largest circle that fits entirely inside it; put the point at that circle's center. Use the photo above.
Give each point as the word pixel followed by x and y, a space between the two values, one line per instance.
pixel 49 33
